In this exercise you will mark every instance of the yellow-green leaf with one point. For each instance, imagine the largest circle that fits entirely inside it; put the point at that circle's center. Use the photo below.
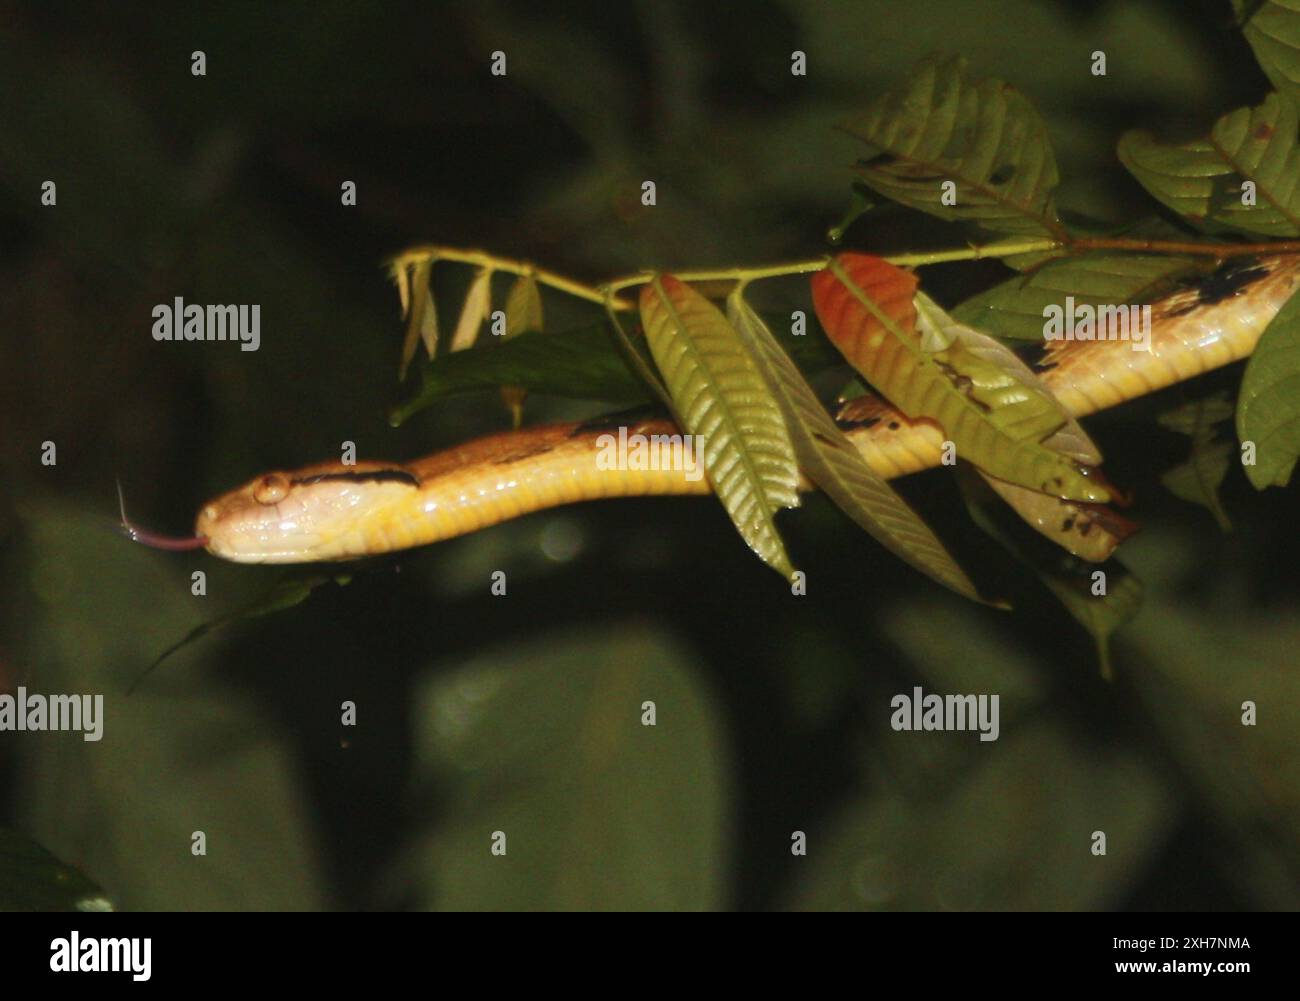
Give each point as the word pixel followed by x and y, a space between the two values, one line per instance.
pixel 418 308
pixel 478 301
pixel 1002 381
pixel 523 307
pixel 1089 531
pixel 720 394
pixel 830 460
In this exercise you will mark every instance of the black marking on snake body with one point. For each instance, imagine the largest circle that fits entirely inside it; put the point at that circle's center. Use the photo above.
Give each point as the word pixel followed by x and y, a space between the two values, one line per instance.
pixel 1228 280
pixel 361 476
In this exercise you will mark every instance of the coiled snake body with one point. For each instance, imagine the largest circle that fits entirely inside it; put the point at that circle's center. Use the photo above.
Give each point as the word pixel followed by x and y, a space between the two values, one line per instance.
pixel 333 512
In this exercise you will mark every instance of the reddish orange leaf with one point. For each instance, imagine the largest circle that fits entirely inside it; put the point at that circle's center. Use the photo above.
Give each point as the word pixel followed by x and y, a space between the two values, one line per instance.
pixel 851 328
pixel 998 416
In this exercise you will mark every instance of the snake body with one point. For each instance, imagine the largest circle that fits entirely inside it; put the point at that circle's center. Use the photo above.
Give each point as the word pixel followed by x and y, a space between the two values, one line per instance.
pixel 333 511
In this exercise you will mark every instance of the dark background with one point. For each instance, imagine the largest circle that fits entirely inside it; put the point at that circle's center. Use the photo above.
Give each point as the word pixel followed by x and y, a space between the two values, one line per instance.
pixel 521 713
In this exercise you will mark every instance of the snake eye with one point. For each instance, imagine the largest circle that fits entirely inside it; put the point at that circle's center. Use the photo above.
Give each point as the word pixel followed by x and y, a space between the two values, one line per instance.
pixel 271 489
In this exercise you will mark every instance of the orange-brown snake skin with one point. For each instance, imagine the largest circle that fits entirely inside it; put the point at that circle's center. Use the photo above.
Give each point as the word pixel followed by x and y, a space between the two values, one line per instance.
pixel 333 512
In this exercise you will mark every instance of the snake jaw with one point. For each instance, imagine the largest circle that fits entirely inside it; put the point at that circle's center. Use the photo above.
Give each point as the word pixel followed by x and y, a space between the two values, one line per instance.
pixel 319 513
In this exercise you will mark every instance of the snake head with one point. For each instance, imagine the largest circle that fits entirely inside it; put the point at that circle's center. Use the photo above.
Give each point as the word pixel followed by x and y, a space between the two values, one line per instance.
pixel 326 512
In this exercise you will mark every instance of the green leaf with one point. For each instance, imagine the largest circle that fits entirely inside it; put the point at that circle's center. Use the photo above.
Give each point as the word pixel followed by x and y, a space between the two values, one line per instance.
pixel 1015 308
pixel 1206 663
pixel 545 742
pixel 1198 479
pixel 1100 614
pixel 1272 27
pixel 1003 826
pixel 582 363
pixel 1268 406
pixel 1072 582
pixel 194 754
pixel 940 125
pixel 283 594
pixel 721 394
pixel 31 879
pixel 1202 180
pixel 830 460
pixel 859 205
pixel 997 420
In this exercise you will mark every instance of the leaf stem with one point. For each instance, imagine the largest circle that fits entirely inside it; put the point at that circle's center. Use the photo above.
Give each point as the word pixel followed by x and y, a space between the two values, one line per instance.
pixel 607 294
pixel 482 259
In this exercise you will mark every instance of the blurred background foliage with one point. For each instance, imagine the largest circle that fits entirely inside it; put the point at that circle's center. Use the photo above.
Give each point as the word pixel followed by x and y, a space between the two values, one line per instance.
pixel 522 714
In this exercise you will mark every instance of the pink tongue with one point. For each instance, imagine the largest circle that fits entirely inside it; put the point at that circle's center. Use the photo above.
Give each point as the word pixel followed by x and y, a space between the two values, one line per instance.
pixel 152 539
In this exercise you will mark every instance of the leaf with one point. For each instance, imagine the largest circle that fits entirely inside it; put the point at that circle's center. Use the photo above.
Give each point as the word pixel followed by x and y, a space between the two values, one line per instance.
pixel 859 205
pixel 1268 405
pixel 832 462
pixel 940 334
pixel 31 879
pixel 1206 661
pixel 1100 614
pixel 1002 826
pixel 196 753
pixel 282 595
pixel 1071 582
pixel 1202 180
pixel 720 394
pixel 545 742
pixel 940 125
pixel 523 307
pixel 1198 479
pixel 1272 27
pixel 478 301
pixel 997 421
pixel 1015 308
pixel 1090 531
pixel 523 313
pixel 418 308
pixel 582 363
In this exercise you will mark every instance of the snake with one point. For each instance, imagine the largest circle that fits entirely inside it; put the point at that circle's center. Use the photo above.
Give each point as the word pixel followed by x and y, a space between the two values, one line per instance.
pixel 334 511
